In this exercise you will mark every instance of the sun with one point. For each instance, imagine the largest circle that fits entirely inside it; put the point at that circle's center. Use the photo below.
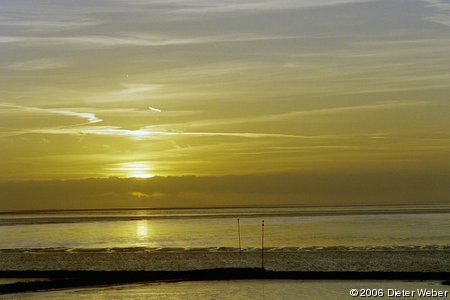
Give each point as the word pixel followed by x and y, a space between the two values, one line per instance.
pixel 134 170
pixel 138 170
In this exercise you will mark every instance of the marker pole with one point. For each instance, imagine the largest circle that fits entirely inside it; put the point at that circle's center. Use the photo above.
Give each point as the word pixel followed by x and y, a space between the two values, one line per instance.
pixel 239 236
pixel 262 245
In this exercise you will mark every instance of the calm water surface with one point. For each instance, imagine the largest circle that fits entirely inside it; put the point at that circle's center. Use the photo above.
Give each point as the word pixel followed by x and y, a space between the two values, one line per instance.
pixel 374 226
pixel 235 289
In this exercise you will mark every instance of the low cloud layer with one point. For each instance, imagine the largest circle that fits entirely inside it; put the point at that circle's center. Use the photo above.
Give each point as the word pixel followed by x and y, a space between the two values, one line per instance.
pixel 221 191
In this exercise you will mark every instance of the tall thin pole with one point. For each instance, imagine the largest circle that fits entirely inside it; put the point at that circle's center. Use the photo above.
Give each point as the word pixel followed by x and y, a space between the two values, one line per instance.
pixel 239 236
pixel 262 245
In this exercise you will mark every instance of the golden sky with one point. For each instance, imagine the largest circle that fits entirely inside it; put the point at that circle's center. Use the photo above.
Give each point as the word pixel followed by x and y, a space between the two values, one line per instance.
pixel 93 89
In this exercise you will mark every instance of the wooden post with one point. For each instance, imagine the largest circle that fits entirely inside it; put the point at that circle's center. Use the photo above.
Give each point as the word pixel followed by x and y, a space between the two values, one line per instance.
pixel 262 245
pixel 239 236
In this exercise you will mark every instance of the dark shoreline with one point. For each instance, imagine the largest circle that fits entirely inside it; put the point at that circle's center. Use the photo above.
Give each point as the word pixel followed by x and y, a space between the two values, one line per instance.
pixel 77 279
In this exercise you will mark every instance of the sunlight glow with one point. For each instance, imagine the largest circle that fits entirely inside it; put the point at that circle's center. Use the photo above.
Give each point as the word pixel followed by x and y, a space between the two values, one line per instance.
pixel 142 229
pixel 142 175
pixel 134 169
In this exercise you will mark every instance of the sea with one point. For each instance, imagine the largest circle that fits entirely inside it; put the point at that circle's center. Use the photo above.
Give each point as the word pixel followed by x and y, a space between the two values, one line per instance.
pixel 387 226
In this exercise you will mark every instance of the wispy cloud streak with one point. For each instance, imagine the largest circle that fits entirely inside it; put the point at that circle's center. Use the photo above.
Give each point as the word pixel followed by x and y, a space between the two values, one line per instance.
pixel 226 6
pixel 296 114
pixel 135 39
pixel 46 25
pixel 149 131
pixel 154 109
pixel 443 14
pixel 90 117
pixel 37 65
pixel 143 133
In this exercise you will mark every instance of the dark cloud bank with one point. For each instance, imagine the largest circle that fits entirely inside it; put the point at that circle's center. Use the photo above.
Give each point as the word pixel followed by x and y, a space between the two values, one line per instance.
pixel 193 191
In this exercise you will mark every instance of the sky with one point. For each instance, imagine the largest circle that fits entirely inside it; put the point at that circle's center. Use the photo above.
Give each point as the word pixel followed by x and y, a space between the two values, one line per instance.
pixel 324 92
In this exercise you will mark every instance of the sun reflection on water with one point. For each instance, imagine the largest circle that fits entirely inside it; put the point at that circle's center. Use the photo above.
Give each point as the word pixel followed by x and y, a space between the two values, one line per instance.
pixel 142 229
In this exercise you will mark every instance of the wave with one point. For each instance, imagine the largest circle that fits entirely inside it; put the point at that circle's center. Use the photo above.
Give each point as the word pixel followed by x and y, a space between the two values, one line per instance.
pixel 226 249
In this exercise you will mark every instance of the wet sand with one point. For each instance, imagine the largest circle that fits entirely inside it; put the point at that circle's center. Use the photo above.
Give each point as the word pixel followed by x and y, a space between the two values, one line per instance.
pixel 176 259
pixel 69 268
